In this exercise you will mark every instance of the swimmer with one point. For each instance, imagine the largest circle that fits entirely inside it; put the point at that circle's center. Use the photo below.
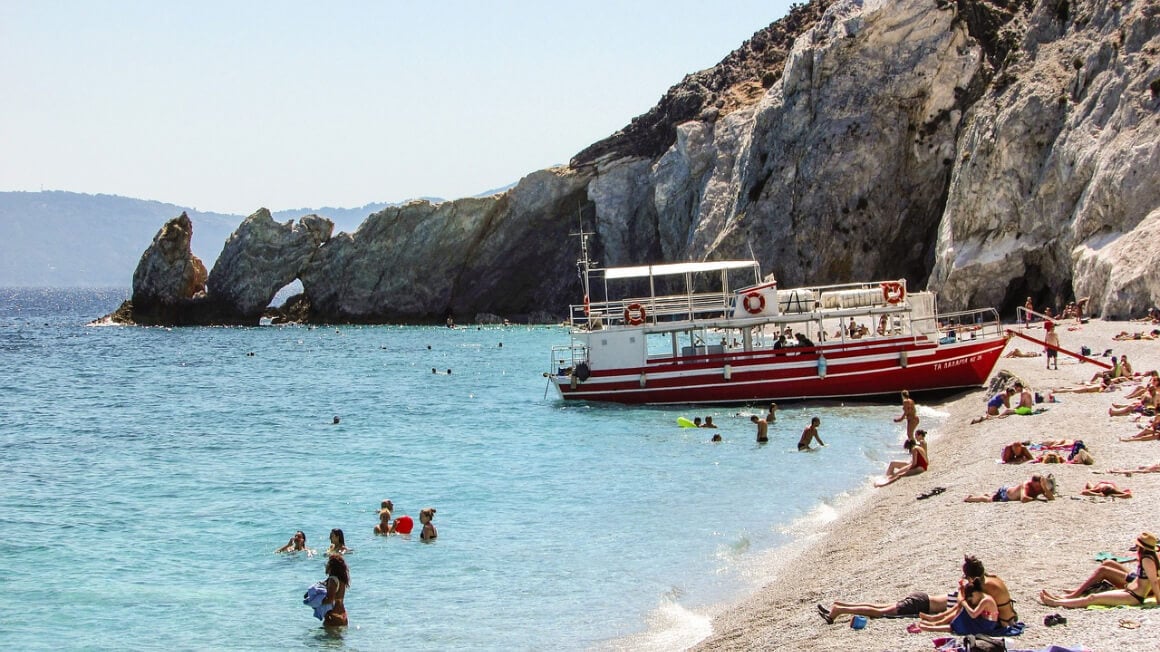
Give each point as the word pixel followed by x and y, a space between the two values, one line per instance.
pixel 336 420
pixel 384 525
pixel 716 438
pixel 337 580
pixel 425 516
pixel 297 543
pixel 708 423
pixel 337 543
pixel 762 428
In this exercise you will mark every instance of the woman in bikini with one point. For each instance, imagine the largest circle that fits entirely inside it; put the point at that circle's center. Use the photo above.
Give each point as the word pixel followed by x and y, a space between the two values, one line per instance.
pixel 974 613
pixel 337 580
pixel 337 543
pixel 898 470
pixel 429 533
pixel 1136 586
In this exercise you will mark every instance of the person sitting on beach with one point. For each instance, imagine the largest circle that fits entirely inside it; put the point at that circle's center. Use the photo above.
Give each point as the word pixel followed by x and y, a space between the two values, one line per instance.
pixel 1141 390
pixel 1137 586
pixel 1026 400
pixel 975 612
pixel 337 580
pixel 915 604
pixel 993 585
pixel 1105 488
pixel 708 423
pixel 426 515
pixel 897 470
pixel 1150 432
pixel 1145 406
pixel 297 543
pixel 762 429
pixel 1016 353
pixel 1026 492
pixel 337 543
pixel 1000 400
pixel 810 434
pixel 1112 374
pixel 1016 453
pixel 1110 573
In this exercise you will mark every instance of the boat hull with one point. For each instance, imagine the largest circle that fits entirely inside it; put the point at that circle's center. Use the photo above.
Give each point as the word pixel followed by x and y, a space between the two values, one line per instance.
pixel 839 371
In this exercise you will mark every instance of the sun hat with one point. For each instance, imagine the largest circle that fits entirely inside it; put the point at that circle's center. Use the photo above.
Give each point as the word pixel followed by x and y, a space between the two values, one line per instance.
pixel 1147 540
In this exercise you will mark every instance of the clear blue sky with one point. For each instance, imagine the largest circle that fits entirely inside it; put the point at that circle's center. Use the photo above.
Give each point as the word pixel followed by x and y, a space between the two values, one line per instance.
pixel 231 106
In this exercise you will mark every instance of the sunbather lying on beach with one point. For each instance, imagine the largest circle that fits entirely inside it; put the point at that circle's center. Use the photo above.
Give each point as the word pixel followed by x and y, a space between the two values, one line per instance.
pixel 993 585
pixel 1138 335
pixel 1102 385
pixel 1105 488
pixel 1150 468
pixel 1016 353
pixel 1033 488
pixel 1016 453
pixel 1137 586
pixel 912 605
pixel 917 463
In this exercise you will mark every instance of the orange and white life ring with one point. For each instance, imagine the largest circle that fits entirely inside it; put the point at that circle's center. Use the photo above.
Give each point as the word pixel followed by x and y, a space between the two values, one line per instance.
pixel 754 303
pixel 634 314
pixel 893 292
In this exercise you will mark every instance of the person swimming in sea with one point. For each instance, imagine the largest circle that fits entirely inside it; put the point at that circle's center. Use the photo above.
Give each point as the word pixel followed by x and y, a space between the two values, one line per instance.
pixel 297 543
pixel 337 543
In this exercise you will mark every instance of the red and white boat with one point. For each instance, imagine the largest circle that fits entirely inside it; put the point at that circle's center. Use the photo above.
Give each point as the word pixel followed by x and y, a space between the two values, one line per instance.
pixel 649 342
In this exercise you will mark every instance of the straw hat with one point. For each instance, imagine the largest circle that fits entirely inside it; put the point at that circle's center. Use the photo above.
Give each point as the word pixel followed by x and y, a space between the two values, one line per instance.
pixel 1147 540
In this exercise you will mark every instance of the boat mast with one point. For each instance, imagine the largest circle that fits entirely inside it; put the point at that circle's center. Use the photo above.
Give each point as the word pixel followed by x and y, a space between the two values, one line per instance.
pixel 583 265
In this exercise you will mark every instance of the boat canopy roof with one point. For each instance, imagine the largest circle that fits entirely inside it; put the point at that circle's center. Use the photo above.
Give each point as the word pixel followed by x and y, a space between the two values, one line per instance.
pixel 668 269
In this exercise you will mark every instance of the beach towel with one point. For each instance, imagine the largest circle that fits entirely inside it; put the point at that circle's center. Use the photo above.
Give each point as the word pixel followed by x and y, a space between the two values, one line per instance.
pixel 313 598
pixel 1149 603
pixel 1055 648
pixel 1104 556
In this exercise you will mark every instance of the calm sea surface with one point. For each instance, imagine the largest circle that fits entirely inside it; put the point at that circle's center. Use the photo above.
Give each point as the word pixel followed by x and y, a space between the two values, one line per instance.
pixel 147 474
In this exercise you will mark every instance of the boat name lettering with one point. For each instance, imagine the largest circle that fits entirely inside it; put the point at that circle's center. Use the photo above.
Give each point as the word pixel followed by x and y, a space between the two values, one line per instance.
pixel 954 363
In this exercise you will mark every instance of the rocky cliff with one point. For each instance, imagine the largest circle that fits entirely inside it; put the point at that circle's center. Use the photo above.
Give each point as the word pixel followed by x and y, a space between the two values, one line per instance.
pixel 988 149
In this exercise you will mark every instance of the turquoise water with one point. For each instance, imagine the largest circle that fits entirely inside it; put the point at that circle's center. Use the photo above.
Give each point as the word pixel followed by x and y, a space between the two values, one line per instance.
pixel 149 473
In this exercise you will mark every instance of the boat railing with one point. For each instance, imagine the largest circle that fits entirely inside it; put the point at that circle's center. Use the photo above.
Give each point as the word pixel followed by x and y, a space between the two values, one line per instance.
pixel 951 327
pixel 635 310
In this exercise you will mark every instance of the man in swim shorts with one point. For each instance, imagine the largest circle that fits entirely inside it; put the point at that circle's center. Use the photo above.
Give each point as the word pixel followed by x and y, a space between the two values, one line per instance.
pixel 912 605
pixel 810 434
pixel 1028 491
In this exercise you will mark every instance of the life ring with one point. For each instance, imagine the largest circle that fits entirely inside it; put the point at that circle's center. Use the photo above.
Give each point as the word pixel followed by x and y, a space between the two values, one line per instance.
pixel 750 307
pixel 634 314
pixel 586 305
pixel 893 292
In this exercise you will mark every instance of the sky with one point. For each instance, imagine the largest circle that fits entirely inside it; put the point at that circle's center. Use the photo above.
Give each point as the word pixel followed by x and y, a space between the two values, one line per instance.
pixel 232 106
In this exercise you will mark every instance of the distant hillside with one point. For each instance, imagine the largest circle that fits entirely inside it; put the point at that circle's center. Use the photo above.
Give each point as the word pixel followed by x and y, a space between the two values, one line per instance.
pixel 66 239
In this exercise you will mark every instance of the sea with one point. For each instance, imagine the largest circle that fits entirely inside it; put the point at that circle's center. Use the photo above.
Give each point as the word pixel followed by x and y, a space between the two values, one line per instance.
pixel 148 474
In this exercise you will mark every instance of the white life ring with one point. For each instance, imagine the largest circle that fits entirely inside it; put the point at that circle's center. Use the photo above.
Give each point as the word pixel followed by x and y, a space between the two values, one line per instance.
pixel 634 314
pixel 752 307
pixel 893 292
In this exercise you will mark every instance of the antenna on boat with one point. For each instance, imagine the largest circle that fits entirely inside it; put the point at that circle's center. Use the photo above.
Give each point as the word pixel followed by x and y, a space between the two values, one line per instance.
pixel 583 264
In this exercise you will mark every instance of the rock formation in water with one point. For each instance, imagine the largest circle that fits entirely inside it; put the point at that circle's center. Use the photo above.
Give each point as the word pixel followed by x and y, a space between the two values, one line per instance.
pixel 168 277
pixel 987 149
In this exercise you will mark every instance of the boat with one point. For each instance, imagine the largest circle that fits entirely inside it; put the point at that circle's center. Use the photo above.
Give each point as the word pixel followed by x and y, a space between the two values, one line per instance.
pixel 678 333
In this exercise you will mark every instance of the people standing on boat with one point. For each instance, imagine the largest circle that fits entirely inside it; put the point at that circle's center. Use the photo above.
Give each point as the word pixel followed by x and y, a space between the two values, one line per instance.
pixel 802 340
pixel 762 429
pixel 910 413
pixel 810 434
pixel 780 343
pixel 1051 345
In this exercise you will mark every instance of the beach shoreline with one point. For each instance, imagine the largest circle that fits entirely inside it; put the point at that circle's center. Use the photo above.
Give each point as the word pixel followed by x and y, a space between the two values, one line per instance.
pixel 887 544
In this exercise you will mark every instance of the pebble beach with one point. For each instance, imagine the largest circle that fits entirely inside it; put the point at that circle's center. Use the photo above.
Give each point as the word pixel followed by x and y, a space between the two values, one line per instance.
pixel 885 543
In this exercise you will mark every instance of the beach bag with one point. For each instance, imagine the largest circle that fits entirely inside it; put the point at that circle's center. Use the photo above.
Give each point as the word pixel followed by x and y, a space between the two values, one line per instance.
pixel 984 643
